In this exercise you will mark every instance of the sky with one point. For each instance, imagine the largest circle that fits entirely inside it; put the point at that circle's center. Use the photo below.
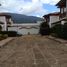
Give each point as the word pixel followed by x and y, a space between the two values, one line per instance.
pixel 29 7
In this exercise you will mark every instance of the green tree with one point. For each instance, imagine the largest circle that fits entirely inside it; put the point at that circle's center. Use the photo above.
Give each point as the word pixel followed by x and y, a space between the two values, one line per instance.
pixel 44 29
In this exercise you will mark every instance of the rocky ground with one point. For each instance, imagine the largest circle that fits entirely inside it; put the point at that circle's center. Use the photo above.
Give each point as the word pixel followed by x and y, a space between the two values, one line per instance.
pixel 33 51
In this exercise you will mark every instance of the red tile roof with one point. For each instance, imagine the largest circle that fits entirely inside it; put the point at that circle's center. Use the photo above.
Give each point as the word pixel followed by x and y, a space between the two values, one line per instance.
pixel 52 14
pixel 61 3
pixel 5 14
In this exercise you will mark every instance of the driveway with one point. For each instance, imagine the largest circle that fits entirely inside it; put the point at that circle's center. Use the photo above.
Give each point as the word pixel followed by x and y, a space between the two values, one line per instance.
pixel 33 51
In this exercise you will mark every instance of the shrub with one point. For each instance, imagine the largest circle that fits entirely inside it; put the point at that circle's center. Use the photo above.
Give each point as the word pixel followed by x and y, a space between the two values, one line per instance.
pixel 60 30
pixel 65 31
pixel 3 36
pixel 0 28
pixel 44 29
pixel 9 33
pixel 57 29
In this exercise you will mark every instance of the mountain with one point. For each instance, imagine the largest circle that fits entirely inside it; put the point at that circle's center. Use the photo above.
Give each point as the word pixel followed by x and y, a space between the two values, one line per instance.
pixel 19 18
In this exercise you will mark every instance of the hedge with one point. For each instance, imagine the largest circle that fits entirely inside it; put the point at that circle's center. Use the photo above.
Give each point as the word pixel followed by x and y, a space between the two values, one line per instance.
pixel 60 30
pixel 9 33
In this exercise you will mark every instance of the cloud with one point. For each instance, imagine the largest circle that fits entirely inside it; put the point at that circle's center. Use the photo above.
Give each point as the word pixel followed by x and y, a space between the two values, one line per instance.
pixel 28 7
pixel 34 7
pixel 51 2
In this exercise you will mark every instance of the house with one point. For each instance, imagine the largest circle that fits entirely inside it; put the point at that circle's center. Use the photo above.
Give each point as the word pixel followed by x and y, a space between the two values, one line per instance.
pixel 51 18
pixel 62 5
pixel 23 28
pixel 5 20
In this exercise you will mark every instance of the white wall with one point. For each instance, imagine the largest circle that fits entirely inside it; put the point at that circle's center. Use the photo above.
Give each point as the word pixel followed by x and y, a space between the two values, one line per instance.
pixel 53 19
pixel 3 19
pixel 62 9
pixel 11 21
pixel 24 31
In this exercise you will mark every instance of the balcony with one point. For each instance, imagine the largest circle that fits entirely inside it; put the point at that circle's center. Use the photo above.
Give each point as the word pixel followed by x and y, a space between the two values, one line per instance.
pixel 62 15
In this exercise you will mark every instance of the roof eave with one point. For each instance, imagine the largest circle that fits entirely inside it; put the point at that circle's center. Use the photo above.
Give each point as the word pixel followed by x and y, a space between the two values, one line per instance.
pixel 61 3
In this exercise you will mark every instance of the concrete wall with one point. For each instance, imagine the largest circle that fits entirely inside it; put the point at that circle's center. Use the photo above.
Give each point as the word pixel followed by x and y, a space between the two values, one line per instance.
pixel 24 31
pixel 32 28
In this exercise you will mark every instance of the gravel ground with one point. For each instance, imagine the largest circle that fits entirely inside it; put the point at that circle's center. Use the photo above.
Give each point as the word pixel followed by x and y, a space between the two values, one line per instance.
pixel 33 51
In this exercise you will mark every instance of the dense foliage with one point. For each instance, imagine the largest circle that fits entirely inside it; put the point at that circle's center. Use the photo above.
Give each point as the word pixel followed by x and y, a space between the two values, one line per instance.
pixel 60 30
pixel 3 36
pixel 44 29
pixel 9 33
pixel 0 28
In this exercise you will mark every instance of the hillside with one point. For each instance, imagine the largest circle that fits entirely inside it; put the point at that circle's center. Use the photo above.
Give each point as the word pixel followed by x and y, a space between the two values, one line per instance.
pixel 19 18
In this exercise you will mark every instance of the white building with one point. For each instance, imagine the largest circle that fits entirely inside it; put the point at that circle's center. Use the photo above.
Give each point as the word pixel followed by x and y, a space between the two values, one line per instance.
pixel 51 18
pixel 23 28
pixel 5 20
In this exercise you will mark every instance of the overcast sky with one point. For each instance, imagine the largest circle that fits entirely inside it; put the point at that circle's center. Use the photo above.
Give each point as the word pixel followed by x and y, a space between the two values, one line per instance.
pixel 29 7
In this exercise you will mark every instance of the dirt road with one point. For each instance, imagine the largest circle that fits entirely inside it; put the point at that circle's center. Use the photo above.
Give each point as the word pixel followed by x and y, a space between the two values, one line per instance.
pixel 33 51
